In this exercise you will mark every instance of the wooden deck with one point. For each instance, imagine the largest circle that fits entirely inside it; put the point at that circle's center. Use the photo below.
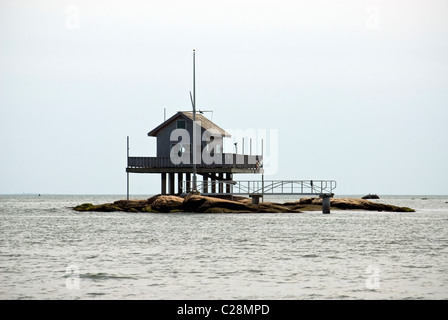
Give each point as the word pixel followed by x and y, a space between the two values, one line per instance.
pixel 230 163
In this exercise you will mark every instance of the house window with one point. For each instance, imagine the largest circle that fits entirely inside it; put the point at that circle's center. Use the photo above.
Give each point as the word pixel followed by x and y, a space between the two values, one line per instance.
pixel 181 124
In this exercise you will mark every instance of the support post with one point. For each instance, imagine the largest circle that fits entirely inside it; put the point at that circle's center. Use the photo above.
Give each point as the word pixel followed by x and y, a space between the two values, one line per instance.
pixel 127 173
pixel 221 185
pixel 262 173
pixel 255 198
pixel 213 183
pixel 204 183
pixel 188 181
pixel 163 184
pixel 179 182
pixel 127 187
pixel 171 182
pixel 326 197
pixel 228 178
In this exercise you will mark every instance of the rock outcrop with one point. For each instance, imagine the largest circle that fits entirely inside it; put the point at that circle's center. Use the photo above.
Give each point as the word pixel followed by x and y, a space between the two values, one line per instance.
pixel 203 204
pixel 353 204
pixel 371 196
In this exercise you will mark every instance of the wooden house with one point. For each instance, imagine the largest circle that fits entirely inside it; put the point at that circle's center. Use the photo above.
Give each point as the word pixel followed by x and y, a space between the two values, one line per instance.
pixel 185 157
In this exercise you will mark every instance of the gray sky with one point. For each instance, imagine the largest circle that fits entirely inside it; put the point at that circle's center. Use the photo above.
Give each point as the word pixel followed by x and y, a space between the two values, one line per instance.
pixel 356 90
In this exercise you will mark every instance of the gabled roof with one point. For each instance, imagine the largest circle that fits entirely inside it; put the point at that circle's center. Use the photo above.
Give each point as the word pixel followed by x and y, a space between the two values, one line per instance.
pixel 206 124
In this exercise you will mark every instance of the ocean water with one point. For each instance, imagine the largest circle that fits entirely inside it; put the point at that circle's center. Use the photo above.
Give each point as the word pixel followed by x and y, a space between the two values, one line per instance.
pixel 48 251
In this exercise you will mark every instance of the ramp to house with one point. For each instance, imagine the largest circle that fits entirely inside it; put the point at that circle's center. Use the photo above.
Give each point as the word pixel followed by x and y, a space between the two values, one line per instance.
pixel 266 187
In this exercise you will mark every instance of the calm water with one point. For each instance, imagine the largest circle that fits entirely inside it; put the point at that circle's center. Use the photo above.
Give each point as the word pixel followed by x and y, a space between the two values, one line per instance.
pixel 48 251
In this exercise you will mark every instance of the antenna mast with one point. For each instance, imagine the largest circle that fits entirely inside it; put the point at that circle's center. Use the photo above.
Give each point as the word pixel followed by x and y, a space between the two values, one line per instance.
pixel 194 121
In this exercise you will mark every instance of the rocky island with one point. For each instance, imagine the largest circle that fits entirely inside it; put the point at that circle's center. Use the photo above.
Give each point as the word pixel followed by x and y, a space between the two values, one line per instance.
pixel 194 203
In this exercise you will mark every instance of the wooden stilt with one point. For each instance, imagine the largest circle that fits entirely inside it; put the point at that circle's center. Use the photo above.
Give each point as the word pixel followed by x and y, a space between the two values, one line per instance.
pixel 205 183
pixel 213 183
pixel 163 184
pixel 188 182
pixel 228 178
pixel 179 182
pixel 221 185
pixel 171 183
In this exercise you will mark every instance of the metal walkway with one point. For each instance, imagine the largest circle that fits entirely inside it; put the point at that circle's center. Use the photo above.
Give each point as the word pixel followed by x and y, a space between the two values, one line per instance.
pixel 266 187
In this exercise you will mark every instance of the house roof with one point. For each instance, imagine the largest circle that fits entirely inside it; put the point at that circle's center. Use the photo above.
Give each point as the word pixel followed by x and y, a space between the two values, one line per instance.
pixel 206 124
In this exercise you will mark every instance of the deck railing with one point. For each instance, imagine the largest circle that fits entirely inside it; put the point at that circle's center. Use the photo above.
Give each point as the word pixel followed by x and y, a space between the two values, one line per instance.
pixel 228 160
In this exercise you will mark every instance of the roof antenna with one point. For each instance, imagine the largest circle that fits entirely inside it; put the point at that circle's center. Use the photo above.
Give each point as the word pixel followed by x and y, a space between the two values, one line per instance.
pixel 164 114
pixel 193 102
pixel 194 85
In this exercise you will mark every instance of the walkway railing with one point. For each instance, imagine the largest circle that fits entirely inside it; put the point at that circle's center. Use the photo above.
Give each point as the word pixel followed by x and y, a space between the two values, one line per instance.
pixel 266 187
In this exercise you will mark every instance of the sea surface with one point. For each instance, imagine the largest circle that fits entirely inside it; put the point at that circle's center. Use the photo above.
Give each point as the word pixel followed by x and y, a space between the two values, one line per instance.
pixel 49 251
